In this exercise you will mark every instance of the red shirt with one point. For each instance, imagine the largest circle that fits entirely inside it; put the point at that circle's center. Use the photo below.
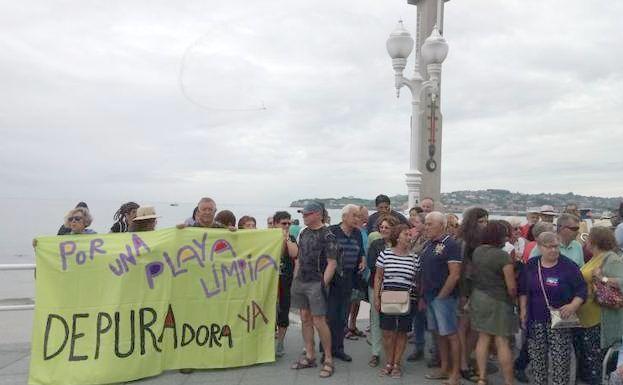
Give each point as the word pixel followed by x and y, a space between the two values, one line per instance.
pixel 524 230
pixel 527 250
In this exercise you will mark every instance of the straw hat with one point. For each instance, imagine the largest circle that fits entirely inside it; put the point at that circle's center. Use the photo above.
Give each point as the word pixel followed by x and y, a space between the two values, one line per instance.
pixel 145 212
pixel 547 210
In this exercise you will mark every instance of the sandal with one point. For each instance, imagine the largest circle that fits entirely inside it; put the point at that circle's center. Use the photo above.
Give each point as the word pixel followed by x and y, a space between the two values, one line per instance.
pixel 396 372
pixel 304 363
pixel 350 335
pixel 327 370
pixel 374 361
pixel 470 374
pixel 387 370
pixel 357 332
pixel 437 376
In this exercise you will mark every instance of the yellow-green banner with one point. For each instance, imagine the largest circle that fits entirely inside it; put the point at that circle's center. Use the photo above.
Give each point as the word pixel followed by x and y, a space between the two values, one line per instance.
pixel 118 307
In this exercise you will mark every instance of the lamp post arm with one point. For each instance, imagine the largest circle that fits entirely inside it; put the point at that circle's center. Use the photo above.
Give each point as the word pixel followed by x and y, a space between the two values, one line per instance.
pixel 401 81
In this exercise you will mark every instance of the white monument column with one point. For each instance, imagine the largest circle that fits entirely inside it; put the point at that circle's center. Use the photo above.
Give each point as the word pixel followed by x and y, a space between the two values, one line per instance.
pixel 429 141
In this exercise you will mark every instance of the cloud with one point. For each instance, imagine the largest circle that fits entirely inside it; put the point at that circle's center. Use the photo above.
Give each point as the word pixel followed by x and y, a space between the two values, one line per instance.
pixel 164 103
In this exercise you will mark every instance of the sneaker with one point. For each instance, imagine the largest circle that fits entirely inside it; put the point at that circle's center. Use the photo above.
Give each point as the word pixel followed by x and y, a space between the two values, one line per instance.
pixel 279 349
pixel 520 375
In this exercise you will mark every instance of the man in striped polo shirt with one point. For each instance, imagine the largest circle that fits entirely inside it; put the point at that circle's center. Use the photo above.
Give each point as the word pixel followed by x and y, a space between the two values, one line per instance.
pixel 350 241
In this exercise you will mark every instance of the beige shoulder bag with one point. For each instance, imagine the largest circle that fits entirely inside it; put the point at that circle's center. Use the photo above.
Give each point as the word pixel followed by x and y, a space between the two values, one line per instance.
pixel 396 302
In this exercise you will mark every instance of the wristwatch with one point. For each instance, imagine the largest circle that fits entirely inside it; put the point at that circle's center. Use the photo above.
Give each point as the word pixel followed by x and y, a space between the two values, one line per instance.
pixel 604 279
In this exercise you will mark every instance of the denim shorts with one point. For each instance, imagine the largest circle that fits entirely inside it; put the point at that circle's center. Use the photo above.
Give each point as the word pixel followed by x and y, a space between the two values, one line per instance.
pixel 441 315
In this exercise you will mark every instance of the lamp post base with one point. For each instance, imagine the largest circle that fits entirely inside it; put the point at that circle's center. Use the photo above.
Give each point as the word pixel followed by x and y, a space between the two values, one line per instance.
pixel 414 181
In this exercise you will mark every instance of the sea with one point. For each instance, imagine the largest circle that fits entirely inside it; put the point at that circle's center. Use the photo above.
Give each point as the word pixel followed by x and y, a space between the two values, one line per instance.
pixel 22 220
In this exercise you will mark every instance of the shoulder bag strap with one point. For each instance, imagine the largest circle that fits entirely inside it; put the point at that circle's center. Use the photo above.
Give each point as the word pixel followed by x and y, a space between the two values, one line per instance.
pixel 415 275
pixel 542 287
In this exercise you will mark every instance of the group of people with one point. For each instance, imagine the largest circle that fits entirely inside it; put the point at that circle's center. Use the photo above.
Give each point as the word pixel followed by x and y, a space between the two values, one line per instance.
pixel 472 282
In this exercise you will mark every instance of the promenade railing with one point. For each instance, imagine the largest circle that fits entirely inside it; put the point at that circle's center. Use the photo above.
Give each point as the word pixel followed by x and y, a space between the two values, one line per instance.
pixel 14 267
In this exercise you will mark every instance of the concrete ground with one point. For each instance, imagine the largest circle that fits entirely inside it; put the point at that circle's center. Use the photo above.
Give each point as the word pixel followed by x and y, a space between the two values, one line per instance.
pixel 15 353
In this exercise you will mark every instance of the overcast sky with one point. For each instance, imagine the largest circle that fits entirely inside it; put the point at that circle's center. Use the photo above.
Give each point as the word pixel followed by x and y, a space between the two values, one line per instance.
pixel 162 101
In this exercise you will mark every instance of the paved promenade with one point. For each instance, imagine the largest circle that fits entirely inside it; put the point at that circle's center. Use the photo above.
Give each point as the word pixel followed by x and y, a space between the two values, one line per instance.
pixel 14 361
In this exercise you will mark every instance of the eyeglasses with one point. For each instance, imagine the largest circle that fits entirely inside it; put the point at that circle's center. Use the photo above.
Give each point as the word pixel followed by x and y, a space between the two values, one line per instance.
pixel 573 228
pixel 516 228
pixel 554 246
pixel 74 219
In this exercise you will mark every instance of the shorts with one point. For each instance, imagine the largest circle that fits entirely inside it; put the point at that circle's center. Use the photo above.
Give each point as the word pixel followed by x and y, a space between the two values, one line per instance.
pixel 309 295
pixel 441 315
pixel 399 323
pixel 283 303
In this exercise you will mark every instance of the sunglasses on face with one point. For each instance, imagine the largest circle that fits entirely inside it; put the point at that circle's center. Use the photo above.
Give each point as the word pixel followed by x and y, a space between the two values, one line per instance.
pixel 285 223
pixel 554 246
pixel 74 219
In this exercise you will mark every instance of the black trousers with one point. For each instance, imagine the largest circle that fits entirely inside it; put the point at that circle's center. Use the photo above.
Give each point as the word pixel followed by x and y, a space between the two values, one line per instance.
pixel 337 312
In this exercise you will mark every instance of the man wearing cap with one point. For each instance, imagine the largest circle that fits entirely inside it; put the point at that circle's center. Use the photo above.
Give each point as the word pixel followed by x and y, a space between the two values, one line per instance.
pixel 350 241
pixel 547 213
pixel 313 272
pixel 382 204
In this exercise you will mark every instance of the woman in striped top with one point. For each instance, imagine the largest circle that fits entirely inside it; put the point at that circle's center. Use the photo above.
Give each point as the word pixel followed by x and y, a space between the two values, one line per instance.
pixel 396 269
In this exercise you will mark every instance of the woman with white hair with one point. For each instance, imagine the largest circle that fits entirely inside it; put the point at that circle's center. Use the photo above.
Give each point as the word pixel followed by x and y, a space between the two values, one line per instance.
pixel 516 238
pixel 78 219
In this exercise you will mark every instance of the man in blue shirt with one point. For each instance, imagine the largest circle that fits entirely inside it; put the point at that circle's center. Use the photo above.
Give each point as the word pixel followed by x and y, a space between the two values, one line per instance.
pixel 349 239
pixel 441 269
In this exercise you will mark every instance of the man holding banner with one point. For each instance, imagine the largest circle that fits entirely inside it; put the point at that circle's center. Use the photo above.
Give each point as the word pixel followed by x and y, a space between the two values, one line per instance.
pixel 315 267
pixel 118 307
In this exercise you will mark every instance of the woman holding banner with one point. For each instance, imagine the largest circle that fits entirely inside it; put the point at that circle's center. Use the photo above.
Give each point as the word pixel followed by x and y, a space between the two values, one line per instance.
pixel 78 220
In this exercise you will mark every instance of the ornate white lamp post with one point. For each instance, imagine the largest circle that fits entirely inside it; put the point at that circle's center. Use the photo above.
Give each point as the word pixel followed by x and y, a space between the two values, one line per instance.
pixel 433 53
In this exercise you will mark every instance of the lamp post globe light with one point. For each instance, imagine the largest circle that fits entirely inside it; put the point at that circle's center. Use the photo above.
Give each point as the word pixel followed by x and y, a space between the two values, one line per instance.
pixel 433 53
